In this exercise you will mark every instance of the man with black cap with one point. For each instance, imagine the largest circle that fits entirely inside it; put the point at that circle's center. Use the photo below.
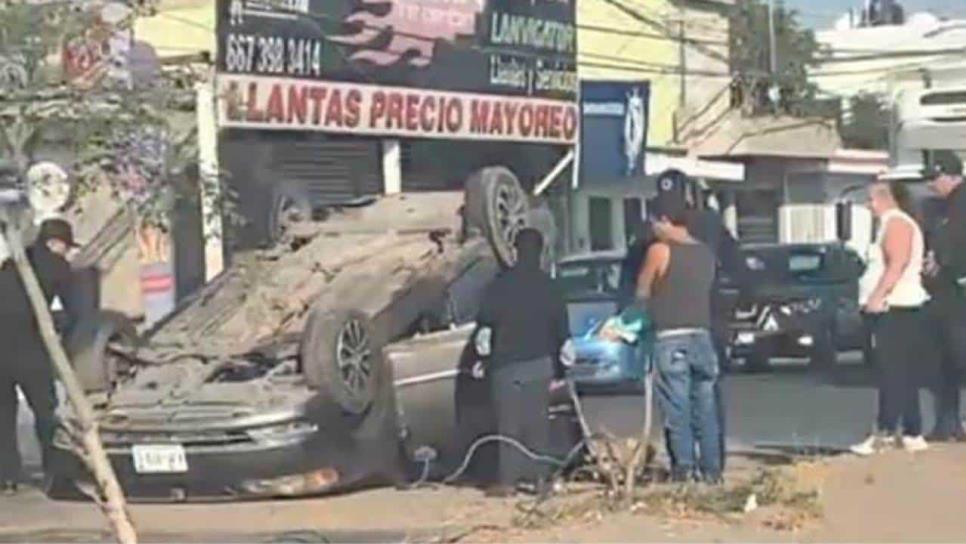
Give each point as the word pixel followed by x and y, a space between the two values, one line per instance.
pixel 946 280
pixel 706 226
pixel 526 316
pixel 25 363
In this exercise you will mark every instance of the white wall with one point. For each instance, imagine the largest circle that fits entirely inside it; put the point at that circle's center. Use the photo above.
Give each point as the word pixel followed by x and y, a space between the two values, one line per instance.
pixel 641 188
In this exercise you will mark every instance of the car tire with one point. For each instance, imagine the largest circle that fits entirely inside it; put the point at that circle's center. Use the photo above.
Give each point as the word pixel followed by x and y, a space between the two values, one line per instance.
pixel 758 361
pixel 824 353
pixel 541 218
pixel 340 354
pixel 290 205
pixel 497 207
pixel 87 345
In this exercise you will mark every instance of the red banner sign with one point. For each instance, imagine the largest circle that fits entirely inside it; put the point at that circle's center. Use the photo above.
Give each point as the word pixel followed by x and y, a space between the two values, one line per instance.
pixel 295 104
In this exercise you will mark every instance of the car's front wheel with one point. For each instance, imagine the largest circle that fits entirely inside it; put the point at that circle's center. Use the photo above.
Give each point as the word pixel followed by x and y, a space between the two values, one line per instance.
pixel 498 207
pixel 290 206
pixel 340 355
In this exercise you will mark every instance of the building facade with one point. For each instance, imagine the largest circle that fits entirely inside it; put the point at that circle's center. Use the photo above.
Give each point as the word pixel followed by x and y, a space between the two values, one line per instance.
pixel 680 49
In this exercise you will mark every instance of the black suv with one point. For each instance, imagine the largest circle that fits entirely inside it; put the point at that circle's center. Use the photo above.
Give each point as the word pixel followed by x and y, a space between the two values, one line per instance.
pixel 796 301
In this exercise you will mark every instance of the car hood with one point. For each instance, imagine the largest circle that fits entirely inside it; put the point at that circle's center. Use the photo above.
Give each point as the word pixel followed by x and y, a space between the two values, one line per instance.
pixel 195 395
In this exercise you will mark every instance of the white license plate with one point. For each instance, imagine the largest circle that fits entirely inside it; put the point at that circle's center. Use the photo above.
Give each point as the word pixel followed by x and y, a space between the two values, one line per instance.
pixel 159 459
pixel 746 338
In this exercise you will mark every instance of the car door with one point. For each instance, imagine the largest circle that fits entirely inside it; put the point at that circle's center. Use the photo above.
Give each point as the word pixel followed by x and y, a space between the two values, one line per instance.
pixel 425 372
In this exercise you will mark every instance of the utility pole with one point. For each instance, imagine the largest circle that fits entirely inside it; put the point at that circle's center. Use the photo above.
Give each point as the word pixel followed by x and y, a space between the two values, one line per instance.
pixel 772 42
pixel 683 51
pixel 774 90
pixel 683 90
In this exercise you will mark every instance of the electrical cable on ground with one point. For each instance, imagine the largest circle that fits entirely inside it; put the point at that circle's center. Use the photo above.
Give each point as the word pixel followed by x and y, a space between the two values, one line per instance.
pixel 561 464
pixel 547 459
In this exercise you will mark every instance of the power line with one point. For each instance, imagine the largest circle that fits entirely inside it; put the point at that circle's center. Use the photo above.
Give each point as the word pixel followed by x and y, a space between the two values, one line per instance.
pixel 611 61
pixel 650 70
pixel 637 14
pixel 884 55
pixel 186 21
pixel 649 35
pixel 885 69
pixel 648 67
pixel 588 27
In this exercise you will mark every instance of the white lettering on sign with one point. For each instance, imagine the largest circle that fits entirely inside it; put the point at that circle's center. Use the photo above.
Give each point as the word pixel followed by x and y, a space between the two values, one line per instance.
pixel 525 31
pixel 608 109
pixel 509 72
pixel 292 104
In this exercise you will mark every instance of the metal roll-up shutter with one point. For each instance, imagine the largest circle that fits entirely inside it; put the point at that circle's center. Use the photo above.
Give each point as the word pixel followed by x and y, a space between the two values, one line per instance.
pixel 332 170
pixel 425 165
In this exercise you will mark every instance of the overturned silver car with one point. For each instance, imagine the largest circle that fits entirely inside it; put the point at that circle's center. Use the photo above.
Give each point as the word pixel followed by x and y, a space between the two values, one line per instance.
pixel 272 380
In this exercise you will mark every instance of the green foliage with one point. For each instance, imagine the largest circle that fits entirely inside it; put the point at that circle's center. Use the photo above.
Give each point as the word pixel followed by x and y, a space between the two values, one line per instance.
pixel 866 126
pixel 123 135
pixel 795 50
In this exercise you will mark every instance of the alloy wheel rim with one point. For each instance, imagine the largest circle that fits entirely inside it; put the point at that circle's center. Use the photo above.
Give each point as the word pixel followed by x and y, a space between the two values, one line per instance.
pixel 354 357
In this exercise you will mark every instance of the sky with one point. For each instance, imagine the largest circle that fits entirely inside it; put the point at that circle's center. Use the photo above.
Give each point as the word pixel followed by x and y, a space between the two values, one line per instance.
pixel 823 13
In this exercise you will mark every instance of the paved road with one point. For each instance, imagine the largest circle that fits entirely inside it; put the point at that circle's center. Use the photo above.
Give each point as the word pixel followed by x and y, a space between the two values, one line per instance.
pixel 789 405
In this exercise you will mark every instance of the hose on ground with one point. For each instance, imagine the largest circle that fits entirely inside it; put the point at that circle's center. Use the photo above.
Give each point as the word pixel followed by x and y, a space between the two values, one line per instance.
pixel 540 458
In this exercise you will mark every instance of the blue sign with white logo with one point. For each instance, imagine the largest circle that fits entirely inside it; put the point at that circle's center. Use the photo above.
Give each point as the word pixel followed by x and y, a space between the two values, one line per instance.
pixel 614 120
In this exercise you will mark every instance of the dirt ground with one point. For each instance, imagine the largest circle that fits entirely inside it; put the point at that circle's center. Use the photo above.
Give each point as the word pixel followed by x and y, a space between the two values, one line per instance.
pixel 894 497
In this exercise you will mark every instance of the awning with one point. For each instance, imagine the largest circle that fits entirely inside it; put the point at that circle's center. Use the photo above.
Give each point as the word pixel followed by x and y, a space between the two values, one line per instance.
pixel 656 163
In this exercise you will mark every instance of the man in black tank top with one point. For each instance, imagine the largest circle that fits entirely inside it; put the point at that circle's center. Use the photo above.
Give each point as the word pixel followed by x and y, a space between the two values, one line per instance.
pixel 676 282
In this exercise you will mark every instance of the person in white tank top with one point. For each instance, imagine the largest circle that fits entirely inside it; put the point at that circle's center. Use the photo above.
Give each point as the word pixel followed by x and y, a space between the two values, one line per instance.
pixel 892 295
pixel 907 291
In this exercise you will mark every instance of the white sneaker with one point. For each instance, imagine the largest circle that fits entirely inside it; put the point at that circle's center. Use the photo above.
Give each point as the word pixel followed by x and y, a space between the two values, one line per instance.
pixel 875 443
pixel 914 443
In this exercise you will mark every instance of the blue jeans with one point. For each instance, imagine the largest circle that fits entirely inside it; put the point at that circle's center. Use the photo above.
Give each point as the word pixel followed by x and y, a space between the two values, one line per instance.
pixel 687 368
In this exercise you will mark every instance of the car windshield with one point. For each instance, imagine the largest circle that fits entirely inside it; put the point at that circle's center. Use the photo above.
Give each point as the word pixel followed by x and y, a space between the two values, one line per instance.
pixel 601 276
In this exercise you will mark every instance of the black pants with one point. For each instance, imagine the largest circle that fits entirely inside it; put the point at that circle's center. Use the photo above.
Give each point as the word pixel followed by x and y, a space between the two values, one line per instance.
pixel 25 364
pixel 521 396
pixel 476 418
pixel 948 335
pixel 898 344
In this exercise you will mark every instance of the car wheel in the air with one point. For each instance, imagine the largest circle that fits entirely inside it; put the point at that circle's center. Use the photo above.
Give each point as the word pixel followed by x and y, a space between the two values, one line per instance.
pixel 497 206
pixel 340 355
pixel 88 346
pixel 290 206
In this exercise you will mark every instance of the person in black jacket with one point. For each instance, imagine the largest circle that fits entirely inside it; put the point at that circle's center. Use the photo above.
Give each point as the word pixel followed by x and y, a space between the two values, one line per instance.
pixel 526 316
pixel 945 273
pixel 25 363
